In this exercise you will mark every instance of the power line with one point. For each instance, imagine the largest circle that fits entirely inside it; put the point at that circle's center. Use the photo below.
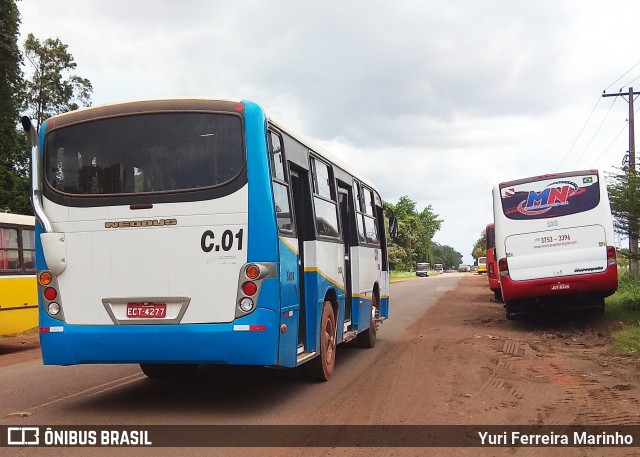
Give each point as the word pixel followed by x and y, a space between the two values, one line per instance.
pixel 623 75
pixel 630 82
pixel 612 141
pixel 596 133
pixel 579 133
pixel 610 144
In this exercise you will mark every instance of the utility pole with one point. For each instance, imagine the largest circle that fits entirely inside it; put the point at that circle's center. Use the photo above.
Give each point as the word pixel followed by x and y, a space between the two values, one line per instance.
pixel 633 229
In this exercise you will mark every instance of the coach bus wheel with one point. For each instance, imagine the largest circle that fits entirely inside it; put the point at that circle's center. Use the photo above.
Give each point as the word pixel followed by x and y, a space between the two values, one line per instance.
pixel 321 367
pixel 509 311
pixel 167 371
pixel 367 339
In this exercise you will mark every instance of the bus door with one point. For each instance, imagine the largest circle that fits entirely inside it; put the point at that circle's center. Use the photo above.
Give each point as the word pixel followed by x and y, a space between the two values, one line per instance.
pixel 349 234
pixel 299 188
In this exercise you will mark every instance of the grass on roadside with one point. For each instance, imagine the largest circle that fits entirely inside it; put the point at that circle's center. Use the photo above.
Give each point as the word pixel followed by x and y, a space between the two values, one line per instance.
pixel 397 275
pixel 624 307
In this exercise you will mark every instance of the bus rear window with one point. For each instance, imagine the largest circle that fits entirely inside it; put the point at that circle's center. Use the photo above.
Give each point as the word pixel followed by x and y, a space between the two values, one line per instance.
pixel 552 197
pixel 145 153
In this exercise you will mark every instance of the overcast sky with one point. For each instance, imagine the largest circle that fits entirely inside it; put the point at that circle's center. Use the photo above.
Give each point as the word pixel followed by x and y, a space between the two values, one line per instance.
pixel 436 100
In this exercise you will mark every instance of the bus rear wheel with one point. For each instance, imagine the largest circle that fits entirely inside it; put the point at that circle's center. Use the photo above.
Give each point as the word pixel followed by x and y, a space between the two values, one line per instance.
pixel 167 371
pixel 321 368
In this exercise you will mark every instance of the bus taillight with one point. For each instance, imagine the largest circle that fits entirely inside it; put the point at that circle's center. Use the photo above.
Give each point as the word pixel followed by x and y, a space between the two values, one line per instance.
pixel 45 278
pixel 503 267
pixel 50 293
pixel 611 256
pixel 249 288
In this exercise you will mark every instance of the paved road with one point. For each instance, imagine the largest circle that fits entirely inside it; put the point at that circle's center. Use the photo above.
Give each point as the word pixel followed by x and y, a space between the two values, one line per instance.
pixel 31 393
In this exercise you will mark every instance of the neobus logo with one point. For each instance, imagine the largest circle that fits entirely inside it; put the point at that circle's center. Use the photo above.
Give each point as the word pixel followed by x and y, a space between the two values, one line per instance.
pixel 137 224
pixel 556 194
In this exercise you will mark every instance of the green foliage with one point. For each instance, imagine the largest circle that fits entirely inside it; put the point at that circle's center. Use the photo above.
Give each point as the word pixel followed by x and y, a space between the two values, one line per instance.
pixel 446 255
pixel 53 88
pixel 14 152
pixel 628 290
pixel 480 248
pixel 624 194
pixel 415 232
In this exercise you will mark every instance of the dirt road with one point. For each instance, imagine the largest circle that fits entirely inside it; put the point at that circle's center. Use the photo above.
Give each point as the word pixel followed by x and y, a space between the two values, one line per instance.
pixel 461 363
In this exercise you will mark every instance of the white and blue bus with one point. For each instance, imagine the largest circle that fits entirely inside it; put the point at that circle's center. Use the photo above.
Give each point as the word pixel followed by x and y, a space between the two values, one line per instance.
pixel 173 233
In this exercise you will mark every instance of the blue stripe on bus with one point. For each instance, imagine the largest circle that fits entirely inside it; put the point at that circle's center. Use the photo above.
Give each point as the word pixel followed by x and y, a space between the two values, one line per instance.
pixel 207 343
pixel 262 232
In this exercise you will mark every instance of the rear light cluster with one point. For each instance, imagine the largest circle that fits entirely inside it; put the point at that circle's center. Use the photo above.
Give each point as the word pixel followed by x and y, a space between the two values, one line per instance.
pixel 49 287
pixel 611 256
pixel 491 269
pixel 503 267
pixel 251 278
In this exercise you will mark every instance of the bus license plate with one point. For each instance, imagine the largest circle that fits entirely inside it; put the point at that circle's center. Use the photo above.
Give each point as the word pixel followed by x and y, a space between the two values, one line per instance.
pixel 146 310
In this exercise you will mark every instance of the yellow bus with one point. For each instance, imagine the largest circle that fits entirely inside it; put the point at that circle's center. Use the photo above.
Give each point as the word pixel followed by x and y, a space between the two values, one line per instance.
pixel 18 290
pixel 482 265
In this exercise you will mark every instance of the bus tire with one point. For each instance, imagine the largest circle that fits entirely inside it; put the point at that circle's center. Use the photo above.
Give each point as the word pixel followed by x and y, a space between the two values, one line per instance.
pixel 508 308
pixel 167 371
pixel 367 339
pixel 321 367
pixel 497 294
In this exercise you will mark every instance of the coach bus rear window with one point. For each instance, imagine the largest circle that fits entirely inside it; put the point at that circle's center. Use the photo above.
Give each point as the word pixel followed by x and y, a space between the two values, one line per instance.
pixel 145 153
pixel 553 197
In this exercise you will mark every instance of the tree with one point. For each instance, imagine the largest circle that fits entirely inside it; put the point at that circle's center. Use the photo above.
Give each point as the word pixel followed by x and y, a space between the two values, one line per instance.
pixel 415 232
pixel 53 88
pixel 480 248
pixel 14 152
pixel 624 194
pixel 446 255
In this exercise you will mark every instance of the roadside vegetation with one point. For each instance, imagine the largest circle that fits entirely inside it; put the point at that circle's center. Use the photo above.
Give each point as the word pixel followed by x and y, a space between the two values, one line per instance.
pixel 624 307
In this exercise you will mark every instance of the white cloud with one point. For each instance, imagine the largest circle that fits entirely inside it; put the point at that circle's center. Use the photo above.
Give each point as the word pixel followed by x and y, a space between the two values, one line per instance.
pixel 437 100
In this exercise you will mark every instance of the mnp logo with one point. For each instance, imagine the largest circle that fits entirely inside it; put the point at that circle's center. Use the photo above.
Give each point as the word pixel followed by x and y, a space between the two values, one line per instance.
pixel 23 436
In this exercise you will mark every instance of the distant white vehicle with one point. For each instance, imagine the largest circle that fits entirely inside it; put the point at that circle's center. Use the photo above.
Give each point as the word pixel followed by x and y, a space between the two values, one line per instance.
pixel 463 268
pixel 438 268
pixel 422 269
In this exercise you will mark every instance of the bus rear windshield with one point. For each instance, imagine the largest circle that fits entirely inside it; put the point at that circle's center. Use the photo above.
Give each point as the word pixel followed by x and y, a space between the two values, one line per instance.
pixel 553 197
pixel 145 153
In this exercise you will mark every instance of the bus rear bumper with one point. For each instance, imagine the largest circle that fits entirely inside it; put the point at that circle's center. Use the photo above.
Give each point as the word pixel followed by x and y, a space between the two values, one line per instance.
pixel 597 284
pixel 251 340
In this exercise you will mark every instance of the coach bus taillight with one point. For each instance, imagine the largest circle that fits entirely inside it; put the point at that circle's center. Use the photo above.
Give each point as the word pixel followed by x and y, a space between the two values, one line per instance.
pixel 503 267
pixel 611 256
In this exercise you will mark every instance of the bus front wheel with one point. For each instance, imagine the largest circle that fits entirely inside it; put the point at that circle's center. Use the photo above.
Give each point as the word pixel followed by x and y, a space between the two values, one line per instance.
pixel 321 368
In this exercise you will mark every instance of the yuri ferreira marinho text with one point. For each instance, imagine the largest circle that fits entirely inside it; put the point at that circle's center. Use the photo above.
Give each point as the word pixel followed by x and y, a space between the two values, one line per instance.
pixel 576 438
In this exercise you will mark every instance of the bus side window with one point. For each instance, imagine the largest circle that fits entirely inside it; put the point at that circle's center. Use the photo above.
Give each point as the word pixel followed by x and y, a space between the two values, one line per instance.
pixel 357 193
pixel 9 253
pixel 279 183
pixel 28 250
pixel 324 200
pixel 369 232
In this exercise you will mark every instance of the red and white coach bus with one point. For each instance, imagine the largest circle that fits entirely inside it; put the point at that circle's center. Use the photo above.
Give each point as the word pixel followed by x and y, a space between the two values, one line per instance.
pixel 492 262
pixel 554 242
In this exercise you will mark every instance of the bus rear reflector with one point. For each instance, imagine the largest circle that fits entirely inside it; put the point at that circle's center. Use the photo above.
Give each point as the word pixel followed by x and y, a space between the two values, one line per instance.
pixel 503 267
pixel 249 328
pixel 611 255
pixel 51 329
